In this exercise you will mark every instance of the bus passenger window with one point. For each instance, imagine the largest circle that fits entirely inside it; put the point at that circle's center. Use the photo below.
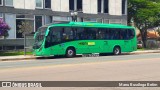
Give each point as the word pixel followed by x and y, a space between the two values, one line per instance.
pixel 106 34
pixel 130 33
pixel 100 34
pixel 112 33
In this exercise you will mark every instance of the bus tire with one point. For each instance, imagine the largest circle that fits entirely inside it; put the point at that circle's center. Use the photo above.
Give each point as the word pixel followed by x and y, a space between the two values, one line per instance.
pixel 117 50
pixel 70 52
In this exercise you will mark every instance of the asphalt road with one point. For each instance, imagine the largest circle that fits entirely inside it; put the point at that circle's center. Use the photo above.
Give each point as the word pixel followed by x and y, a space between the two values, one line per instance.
pixel 143 67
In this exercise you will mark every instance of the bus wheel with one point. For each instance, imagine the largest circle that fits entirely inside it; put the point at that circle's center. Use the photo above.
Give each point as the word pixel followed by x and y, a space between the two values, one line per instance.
pixel 117 50
pixel 70 52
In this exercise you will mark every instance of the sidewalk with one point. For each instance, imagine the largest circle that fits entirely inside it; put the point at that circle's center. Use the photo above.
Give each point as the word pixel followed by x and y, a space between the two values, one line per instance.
pixel 22 57
pixel 145 51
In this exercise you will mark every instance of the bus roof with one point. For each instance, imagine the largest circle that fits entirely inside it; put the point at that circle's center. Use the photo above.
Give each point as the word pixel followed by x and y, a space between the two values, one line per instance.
pixel 94 24
pixel 87 24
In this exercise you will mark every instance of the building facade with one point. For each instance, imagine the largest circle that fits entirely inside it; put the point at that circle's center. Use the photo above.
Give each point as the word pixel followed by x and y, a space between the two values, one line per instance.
pixel 31 14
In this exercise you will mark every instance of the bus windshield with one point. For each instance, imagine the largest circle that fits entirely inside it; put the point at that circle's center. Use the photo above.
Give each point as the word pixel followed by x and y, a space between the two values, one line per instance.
pixel 39 37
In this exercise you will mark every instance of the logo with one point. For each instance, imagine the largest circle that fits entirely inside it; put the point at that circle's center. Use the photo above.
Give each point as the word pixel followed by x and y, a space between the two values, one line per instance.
pixel 6 84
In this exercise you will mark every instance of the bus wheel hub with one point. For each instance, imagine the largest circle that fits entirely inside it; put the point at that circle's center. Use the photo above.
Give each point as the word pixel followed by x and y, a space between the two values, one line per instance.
pixel 70 52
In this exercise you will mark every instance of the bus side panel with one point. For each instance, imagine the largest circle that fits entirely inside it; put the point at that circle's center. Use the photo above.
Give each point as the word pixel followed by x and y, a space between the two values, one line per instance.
pixel 42 52
pixel 134 44
pixel 57 49
pixel 113 43
pixel 80 46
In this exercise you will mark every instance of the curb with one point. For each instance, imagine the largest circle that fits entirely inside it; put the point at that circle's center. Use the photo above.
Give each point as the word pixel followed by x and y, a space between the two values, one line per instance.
pixel 144 52
pixel 18 58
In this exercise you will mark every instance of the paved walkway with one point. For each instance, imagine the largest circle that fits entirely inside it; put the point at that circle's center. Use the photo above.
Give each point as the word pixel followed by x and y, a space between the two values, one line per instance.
pixel 22 57
pixel 19 57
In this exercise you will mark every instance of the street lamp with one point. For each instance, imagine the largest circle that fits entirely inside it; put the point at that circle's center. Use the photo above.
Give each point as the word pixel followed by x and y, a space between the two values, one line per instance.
pixel 74 15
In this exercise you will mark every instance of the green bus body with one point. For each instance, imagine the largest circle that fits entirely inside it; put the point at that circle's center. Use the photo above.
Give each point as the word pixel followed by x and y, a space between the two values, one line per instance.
pixel 83 38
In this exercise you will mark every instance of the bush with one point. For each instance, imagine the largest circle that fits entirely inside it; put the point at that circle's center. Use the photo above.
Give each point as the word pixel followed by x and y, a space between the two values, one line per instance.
pixel 4 28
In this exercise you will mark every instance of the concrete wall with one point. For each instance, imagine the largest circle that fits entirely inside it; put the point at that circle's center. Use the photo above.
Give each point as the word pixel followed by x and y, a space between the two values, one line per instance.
pixel 56 5
pixel 30 4
pixel 24 4
pixel 64 5
pixel 115 7
pixel 86 6
pixel 89 6
pixel 93 5
pixel 118 7
pixel 19 4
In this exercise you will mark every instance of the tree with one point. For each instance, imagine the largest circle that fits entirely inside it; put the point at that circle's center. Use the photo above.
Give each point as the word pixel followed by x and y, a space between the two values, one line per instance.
pixel 145 14
pixel 26 27
pixel 4 28
pixel 158 31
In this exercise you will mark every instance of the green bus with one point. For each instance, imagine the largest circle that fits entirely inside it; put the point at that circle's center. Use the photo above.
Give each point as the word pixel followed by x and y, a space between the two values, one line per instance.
pixel 71 38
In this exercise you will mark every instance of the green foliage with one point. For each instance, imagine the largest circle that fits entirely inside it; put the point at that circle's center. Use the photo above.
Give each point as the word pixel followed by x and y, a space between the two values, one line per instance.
pixel 145 14
pixel 14 53
pixel 4 28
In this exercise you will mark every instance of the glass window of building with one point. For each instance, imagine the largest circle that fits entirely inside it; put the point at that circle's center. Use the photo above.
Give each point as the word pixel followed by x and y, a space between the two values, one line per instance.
pixel 79 5
pixel 39 3
pixel 24 25
pixel 106 21
pixel 48 19
pixel 123 6
pixel 99 20
pixel 1 2
pixel 47 3
pixel 9 2
pixel 99 6
pixel 105 6
pixel 1 15
pixel 10 20
pixel 90 20
pixel 75 5
pixel 60 18
pixel 115 21
pixel 71 5
pixel 38 22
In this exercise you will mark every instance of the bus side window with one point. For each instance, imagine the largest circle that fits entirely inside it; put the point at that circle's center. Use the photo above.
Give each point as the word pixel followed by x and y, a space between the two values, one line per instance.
pixel 131 33
pixel 112 33
pixel 75 34
pixel 92 33
pixel 71 35
pixel 63 33
pixel 115 34
pixel 125 34
pixel 106 35
pixel 100 34
pixel 80 33
pixel 122 34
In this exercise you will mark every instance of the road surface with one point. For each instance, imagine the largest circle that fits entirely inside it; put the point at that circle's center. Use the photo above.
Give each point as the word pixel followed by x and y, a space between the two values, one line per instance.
pixel 143 67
